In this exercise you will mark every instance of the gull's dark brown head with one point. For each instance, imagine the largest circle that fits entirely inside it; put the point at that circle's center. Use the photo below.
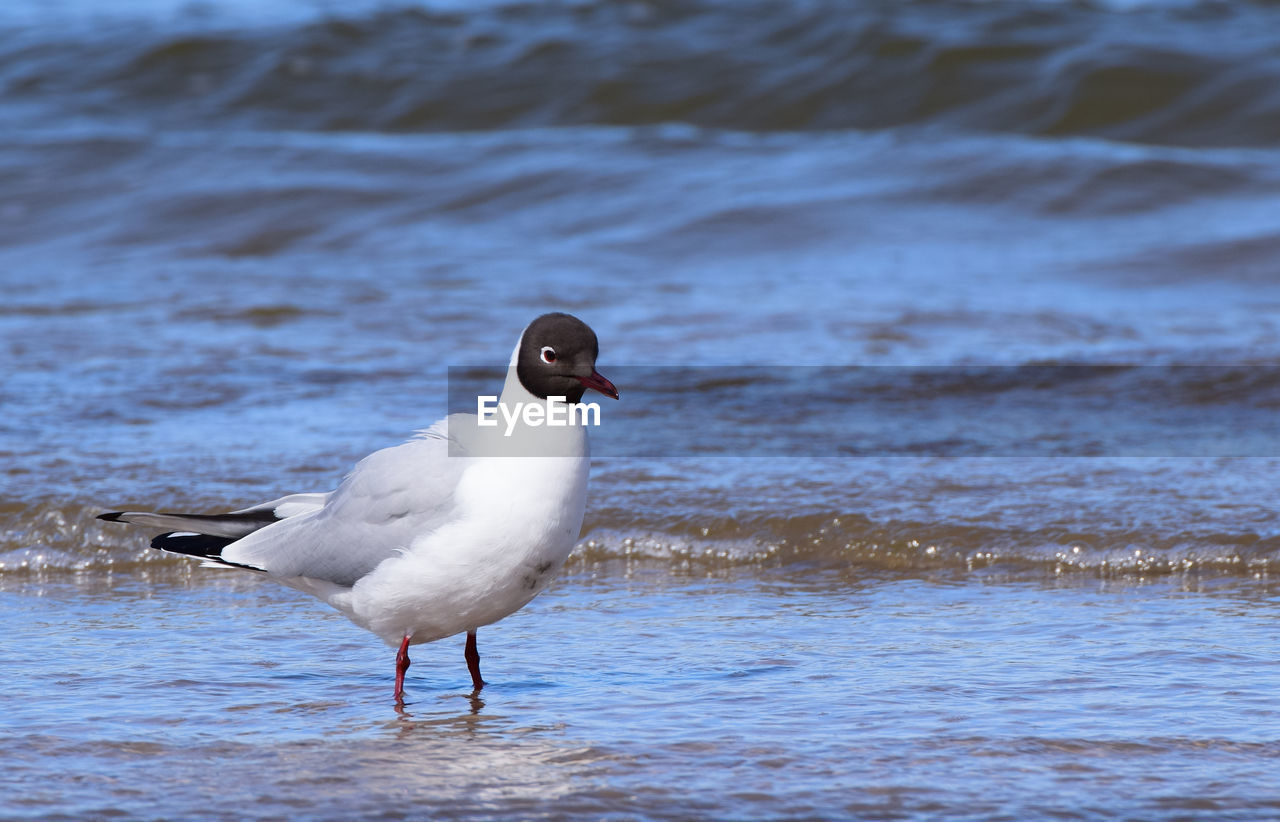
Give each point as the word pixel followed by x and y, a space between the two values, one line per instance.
pixel 557 358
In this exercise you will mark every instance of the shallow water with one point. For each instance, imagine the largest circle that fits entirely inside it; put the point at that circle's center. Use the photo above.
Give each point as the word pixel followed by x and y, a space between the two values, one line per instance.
pixel 634 691
pixel 942 480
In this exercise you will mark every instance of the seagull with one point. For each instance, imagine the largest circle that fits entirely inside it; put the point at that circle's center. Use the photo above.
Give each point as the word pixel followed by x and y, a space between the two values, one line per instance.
pixel 453 530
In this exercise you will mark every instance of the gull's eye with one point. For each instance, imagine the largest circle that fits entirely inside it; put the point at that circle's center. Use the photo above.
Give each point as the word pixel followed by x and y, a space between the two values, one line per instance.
pixel 548 354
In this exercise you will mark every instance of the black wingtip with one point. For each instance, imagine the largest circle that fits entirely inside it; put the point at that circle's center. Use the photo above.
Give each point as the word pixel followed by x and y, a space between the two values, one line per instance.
pixel 113 516
pixel 193 545
pixel 201 546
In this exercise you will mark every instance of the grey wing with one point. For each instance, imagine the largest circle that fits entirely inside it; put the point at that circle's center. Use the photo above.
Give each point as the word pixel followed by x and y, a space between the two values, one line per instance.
pixel 391 497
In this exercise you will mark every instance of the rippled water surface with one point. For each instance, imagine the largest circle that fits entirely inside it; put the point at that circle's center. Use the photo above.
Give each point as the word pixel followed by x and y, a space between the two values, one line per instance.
pixel 640 692
pixel 941 486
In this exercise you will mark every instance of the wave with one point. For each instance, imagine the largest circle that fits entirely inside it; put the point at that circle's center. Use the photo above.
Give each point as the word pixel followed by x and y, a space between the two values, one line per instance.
pixel 1200 74
pixel 64 538
pixel 855 543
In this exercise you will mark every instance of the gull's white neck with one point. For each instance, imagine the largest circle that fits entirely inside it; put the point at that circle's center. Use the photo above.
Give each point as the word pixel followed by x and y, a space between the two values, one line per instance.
pixel 522 433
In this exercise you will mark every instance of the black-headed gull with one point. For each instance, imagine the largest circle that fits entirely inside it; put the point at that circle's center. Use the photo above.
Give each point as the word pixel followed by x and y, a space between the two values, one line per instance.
pixel 444 534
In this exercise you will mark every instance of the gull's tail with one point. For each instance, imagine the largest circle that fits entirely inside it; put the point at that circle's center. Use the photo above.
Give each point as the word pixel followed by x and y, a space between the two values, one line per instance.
pixel 205 535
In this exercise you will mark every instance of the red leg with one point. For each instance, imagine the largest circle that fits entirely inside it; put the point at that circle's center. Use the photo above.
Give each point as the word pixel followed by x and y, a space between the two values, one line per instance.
pixel 472 655
pixel 402 665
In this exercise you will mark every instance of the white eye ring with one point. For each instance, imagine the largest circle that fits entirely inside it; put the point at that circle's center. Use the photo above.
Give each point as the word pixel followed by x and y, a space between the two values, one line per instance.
pixel 548 354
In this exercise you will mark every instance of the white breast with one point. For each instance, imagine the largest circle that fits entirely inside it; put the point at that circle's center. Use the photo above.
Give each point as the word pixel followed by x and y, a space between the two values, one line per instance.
pixel 517 520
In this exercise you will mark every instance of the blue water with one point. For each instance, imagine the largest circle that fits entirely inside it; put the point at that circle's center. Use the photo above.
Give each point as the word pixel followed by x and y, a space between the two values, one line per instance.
pixel 636 693
pixel 925 570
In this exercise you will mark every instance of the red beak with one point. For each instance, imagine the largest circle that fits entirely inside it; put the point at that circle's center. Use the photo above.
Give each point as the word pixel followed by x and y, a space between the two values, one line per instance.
pixel 599 383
